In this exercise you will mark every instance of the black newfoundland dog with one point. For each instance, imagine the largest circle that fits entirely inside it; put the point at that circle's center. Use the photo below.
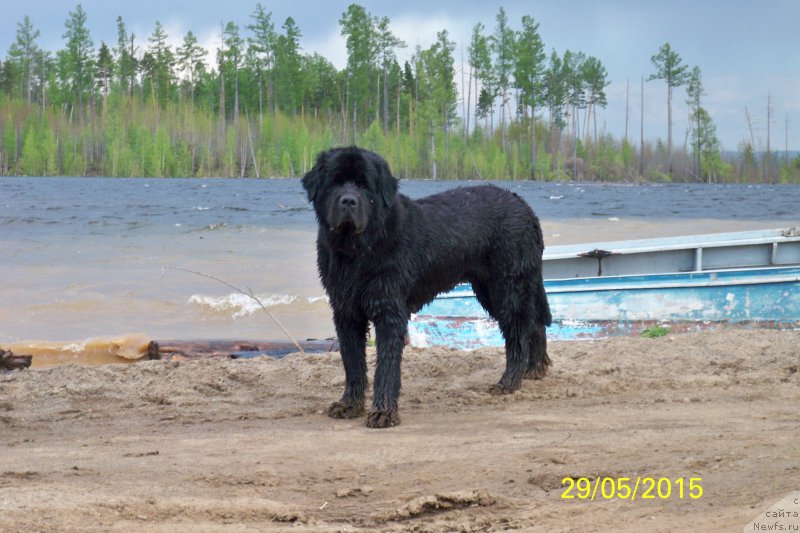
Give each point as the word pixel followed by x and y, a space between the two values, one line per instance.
pixel 382 256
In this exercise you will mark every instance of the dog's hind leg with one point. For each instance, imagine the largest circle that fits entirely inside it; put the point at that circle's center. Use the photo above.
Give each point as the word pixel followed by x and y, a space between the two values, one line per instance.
pixel 516 361
pixel 352 345
pixel 538 360
pixel 483 295
pixel 513 314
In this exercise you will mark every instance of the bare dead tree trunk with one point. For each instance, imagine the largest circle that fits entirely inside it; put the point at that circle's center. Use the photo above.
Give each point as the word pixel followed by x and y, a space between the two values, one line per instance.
pixel 627 106
pixel 641 134
pixel 433 153
pixel 768 155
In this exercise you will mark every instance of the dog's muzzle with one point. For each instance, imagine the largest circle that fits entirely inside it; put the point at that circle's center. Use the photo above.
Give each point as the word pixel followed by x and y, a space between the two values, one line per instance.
pixel 348 211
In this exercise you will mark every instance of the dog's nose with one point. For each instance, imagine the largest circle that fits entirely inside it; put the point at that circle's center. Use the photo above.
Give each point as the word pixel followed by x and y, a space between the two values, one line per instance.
pixel 348 201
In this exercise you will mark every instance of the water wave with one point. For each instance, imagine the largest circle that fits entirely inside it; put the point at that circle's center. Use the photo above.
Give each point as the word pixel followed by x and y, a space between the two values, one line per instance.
pixel 240 305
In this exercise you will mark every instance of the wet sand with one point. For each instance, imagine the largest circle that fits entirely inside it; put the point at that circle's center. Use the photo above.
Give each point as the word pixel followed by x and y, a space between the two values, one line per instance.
pixel 243 445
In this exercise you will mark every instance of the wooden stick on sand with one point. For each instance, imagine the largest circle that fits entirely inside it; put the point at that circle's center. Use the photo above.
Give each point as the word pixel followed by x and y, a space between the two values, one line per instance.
pixel 248 293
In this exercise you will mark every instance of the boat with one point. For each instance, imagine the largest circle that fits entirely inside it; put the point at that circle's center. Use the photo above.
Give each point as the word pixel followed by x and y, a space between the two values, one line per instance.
pixel 597 290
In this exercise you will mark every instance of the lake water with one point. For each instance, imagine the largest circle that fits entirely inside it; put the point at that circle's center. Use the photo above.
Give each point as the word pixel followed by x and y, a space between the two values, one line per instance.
pixel 88 257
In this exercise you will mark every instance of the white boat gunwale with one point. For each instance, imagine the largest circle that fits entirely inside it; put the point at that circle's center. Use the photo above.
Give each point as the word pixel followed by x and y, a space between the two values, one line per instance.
pixel 644 282
pixel 668 244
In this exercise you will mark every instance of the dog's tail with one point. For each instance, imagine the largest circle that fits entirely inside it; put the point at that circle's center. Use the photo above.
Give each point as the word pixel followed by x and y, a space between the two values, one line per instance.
pixel 541 303
pixel 544 311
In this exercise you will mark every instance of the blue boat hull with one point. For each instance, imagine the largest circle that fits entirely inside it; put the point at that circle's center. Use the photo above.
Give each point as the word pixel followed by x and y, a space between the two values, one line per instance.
pixel 602 306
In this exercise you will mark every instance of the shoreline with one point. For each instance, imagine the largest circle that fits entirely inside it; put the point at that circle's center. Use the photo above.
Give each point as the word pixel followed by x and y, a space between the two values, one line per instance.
pixel 117 287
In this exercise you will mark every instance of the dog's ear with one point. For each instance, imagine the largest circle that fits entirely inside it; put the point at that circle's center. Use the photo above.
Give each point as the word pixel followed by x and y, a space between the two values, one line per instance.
pixel 387 184
pixel 311 181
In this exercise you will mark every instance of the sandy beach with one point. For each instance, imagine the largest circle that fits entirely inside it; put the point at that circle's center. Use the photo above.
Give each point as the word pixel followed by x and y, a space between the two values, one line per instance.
pixel 243 445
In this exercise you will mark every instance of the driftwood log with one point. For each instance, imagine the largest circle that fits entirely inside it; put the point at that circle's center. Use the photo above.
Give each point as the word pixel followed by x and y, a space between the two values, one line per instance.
pixel 183 350
pixel 179 350
pixel 10 361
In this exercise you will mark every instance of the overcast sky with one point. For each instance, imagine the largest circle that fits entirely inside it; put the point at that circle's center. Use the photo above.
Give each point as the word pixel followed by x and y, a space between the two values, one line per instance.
pixel 744 48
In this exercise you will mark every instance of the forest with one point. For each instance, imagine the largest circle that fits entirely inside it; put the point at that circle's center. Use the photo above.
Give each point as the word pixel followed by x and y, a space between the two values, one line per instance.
pixel 259 106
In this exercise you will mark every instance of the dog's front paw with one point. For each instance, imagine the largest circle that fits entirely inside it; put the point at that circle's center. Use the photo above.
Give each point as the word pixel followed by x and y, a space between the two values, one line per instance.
pixel 346 410
pixel 382 419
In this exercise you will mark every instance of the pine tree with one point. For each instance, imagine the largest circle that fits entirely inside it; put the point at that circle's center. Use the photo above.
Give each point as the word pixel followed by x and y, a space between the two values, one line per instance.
pixel 705 138
pixel 480 61
pixel 160 63
pixel 670 69
pixel 502 45
pixel 104 69
pixel 357 27
pixel 438 92
pixel 126 60
pixel 189 55
pixel 262 46
pixel 232 58
pixel 24 53
pixel 595 81
pixel 78 56
pixel 288 65
pixel 529 70
pixel 694 92
pixel 386 42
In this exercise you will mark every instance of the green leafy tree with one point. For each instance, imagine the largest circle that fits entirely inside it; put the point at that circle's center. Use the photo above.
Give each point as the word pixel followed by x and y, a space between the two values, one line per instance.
pixel 9 145
pixel 8 75
pixel 94 118
pixel 38 157
pixel 49 149
pixel 670 68
pixel 30 160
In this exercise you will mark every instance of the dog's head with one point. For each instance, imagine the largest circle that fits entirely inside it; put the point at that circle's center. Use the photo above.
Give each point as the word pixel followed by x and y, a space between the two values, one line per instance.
pixel 351 189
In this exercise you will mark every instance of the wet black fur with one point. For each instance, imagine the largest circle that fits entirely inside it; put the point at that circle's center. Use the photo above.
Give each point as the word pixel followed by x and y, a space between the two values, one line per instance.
pixel 382 256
